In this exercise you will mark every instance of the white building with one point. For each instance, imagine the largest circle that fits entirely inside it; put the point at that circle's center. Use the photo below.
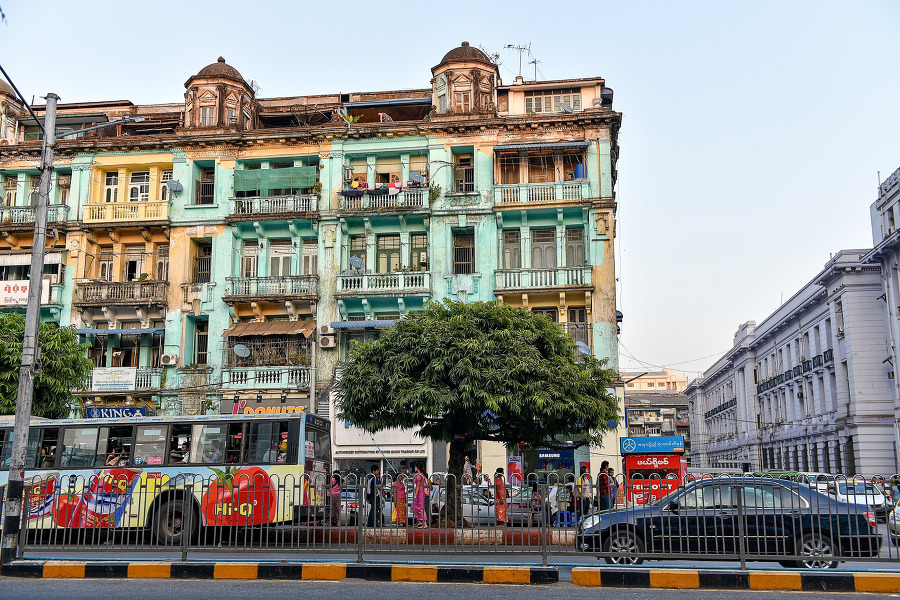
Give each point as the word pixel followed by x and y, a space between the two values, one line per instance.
pixel 807 389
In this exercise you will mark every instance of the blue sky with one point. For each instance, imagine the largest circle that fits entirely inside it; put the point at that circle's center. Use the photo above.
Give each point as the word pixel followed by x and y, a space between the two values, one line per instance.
pixel 752 134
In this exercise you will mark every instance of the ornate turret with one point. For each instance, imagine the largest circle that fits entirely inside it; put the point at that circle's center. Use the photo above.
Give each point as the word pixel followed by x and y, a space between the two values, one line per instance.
pixel 219 97
pixel 465 81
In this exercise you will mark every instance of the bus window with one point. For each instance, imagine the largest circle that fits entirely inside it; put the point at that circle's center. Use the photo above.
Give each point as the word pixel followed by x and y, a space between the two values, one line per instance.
pixel 32 448
pixel 6 437
pixel 79 446
pixel 114 446
pixel 210 442
pixel 180 445
pixel 318 449
pixel 150 444
pixel 46 458
pixel 264 446
pixel 234 442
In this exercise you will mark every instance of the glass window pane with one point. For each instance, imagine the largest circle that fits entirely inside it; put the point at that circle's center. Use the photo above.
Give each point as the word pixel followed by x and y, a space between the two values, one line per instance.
pixel 79 447
pixel 209 444
pixel 150 445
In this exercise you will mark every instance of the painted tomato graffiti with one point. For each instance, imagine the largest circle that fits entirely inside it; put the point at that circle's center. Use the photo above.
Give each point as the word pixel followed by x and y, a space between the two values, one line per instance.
pixel 239 497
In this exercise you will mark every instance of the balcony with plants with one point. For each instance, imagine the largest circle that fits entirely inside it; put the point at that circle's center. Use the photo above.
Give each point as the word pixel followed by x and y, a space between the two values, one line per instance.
pixel 268 355
pixel 543 174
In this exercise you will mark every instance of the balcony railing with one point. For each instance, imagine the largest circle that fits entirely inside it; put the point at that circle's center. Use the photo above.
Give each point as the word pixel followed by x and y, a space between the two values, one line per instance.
pixel 409 198
pixel 126 211
pixel 266 377
pixel 24 215
pixel 147 378
pixel 541 192
pixel 272 205
pixel 542 278
pixel 294 285
pixel 120 292
pixel 396 283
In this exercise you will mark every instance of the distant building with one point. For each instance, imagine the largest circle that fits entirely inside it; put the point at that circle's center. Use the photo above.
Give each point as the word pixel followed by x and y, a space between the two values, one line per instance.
pixel 658 413
pixel 655 381
pixel 809 388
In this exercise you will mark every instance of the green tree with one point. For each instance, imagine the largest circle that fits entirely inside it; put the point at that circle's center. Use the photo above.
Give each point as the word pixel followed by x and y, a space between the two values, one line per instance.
pixel 484 371
pixel 62 367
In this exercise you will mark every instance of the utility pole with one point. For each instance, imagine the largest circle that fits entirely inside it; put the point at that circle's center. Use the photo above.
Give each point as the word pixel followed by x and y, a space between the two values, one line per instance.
pixel 12 518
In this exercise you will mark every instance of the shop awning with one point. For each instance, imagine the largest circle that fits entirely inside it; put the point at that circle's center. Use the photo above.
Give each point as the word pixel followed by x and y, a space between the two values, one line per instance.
pixel 362 324
pixel 9 260
pixel 543 146
pixel 304 328
pixel 119 331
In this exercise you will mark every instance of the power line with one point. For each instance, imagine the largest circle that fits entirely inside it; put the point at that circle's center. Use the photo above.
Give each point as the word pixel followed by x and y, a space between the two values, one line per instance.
pixel 629 354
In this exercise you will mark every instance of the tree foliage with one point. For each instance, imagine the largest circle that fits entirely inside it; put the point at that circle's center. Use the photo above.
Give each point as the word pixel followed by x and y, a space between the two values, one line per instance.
pixel 483 371
pixel 62 367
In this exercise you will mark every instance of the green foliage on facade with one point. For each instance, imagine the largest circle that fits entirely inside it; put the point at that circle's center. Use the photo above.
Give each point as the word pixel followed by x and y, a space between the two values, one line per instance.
pixel 483 371
pixel 63 366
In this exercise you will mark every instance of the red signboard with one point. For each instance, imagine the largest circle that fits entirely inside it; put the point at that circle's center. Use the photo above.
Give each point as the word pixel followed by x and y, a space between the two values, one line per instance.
pixel 652 476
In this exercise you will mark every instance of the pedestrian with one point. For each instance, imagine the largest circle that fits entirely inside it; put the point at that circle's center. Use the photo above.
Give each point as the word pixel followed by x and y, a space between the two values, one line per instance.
pixel 373 497
pixel 584 488
pixel 500 496
pixel 467 472
pixel 603 486
pixel 613 487
pixel 420 496
pixel 336 498
pixel 400 512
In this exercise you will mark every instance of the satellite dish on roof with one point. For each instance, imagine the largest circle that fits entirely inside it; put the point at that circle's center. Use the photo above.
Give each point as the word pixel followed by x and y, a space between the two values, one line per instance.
pixel 356 262
pixel 563 107
pixel 241 350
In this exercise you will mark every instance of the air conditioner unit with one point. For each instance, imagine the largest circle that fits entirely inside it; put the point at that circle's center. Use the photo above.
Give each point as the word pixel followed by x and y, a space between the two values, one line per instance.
pixel 327 341
pixel 168 359
pixel 326 330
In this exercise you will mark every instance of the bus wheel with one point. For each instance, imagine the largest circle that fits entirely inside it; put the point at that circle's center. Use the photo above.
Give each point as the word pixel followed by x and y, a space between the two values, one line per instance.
pixel 170 523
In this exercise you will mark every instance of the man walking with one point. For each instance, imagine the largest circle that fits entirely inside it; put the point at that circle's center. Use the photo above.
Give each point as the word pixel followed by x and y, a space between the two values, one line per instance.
pixel 373 497
pixel 603 486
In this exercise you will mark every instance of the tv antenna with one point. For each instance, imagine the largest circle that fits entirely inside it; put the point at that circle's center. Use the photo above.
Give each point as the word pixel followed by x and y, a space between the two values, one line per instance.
pixel 534 62
pixel 520 50
pixel 494 57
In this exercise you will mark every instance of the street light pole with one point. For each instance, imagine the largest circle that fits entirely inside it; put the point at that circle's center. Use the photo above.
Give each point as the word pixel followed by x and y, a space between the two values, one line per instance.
pixel 15 487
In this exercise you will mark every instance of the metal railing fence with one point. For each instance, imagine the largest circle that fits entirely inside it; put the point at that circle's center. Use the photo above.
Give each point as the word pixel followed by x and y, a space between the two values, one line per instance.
pixel 541 517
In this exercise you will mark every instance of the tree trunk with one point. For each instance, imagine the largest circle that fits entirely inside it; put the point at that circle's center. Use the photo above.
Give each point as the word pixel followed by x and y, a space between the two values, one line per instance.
pixel 451 514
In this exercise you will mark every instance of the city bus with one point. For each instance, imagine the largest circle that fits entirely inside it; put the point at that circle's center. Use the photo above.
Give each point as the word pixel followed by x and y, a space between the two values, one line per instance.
pixel 155 473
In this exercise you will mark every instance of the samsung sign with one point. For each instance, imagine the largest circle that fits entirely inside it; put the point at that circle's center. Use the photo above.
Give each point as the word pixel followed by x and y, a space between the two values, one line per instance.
pixel 115 412
pixel 652 445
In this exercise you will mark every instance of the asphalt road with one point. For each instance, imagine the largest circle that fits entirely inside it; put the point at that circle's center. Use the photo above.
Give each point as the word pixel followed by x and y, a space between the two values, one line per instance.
pixel 91 589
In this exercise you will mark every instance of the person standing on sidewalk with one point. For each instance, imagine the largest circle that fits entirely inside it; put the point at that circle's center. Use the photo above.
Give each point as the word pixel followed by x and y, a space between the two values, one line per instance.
pixel 603 486
pixel 373 497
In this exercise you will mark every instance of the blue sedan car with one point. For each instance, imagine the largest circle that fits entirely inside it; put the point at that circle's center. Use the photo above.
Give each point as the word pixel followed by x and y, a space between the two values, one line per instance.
pixel 725 518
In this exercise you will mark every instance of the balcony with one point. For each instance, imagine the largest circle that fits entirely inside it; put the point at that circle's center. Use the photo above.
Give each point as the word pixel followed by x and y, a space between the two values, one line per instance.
pixel 526 193
pixel 270 207
pixel 391 284
pixel 270 288
pixel 511 279
pixel 126 211
pixel 120 293
pixel 146 378
pixel 415 198
pixel 265 377
pixel 25 215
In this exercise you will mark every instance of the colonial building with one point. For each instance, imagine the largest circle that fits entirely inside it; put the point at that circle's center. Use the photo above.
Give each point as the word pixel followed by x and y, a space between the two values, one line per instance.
pixel 220 253
pixel 809 388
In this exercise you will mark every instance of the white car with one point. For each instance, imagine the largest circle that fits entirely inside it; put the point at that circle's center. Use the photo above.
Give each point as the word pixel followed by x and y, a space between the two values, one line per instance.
pixel 860 491
pixel 819 481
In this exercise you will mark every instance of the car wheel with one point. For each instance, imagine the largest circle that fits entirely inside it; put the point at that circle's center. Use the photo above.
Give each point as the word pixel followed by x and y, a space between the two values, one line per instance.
pixel 820 551
pixel 625 547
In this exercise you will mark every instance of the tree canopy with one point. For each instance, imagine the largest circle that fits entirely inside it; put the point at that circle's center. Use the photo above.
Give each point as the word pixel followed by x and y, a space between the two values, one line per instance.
pixel 62 367
pixel 485 371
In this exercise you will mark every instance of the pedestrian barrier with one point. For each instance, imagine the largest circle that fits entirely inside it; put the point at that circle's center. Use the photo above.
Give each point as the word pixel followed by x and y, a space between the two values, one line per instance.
pixel 536 518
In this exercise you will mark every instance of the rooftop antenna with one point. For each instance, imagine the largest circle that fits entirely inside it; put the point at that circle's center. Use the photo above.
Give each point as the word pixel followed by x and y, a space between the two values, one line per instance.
pixel 494 57
pixel 534 62
pixel 520 50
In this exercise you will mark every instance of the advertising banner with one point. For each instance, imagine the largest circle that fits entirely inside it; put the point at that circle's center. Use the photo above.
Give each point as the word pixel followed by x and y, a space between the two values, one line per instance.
pixel 16 292
pixel 113 379
pixel 115 412
pixel 652 445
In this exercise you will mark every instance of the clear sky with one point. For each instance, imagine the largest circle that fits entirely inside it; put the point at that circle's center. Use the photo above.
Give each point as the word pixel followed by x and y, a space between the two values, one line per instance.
pixel 752 136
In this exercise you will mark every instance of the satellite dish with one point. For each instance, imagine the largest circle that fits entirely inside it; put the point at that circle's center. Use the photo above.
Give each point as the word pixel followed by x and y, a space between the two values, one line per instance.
pixel 563 107
pixel 357 262
pixel 583 348
pixel 174 186
pixel 241 350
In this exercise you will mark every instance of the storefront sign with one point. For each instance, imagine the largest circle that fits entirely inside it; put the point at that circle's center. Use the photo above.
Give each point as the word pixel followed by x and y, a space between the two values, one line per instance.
pixel 113 379
pixel 556 459
pixel 16 292
pixel 652 445
pixel 266 406
pixel 115 412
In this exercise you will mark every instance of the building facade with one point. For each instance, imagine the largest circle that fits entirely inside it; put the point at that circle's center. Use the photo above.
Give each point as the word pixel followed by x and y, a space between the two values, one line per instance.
pixel 220 253
pixel 653 381
pixel 809 388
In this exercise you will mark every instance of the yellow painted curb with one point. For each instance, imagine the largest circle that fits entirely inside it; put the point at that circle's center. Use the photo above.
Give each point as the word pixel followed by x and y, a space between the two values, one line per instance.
pixel 63 570
pixel 235 570
pixel 586 577
pixel 775 581
pixel 674 579
pixel 877 582
pixel 415 573
pixel 507 575
pixel 149 570
pixel 324 571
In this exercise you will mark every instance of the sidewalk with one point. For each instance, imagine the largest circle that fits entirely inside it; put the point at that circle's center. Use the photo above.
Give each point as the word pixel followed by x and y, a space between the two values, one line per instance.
pixel 723 579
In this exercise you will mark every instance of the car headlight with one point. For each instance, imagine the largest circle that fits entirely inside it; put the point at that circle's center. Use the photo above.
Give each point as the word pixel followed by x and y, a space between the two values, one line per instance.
pixel 589 521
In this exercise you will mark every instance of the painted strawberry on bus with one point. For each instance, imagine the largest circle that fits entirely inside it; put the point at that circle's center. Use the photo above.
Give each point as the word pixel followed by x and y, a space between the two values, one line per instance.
pixel 243 496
